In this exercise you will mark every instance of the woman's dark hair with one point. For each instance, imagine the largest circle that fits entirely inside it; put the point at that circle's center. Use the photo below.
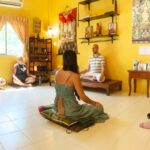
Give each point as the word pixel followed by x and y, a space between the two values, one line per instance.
pixel 70 61
pixel 70 64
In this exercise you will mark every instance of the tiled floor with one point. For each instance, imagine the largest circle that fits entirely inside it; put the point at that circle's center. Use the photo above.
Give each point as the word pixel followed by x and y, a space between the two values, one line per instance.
pixel 23 128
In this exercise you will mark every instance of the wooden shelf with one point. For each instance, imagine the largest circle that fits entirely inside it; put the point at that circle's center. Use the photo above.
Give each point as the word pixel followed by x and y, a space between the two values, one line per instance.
pixel 105 15
pixel 40 57
pixel 101 38
pixel 88 19
pixel 39 54
pixel 35 60
pixel 40 72
pixel 87 2
pixel 62 54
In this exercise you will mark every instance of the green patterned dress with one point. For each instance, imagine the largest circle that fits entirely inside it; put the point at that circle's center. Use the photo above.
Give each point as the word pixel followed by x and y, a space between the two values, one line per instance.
pixel 67 105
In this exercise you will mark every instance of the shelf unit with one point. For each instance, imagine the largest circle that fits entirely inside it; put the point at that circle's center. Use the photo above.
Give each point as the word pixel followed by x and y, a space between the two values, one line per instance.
pixel 40 58
pixel 86 2
pixel 103 38
pixel 112 14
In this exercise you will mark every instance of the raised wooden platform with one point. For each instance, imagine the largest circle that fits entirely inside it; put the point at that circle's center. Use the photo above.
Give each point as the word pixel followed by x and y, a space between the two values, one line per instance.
pixel 107 85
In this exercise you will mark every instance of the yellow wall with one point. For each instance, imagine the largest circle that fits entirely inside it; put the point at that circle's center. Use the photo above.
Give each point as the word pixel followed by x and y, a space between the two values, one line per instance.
pixel 120 54
pixel 30 9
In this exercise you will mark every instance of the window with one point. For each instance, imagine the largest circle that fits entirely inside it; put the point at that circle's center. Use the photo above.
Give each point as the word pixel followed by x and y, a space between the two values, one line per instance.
pixel 10 44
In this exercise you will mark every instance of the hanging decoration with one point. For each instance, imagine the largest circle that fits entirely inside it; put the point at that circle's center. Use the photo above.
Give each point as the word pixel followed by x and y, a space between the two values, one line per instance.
pixel 141 21
pixel 67 31
pixel 36 26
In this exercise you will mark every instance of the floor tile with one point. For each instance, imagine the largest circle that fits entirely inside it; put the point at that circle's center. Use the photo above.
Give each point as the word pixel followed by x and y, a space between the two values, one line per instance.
pixel 1 148
pixel 29 147
pixel 23 128
pixel 7 127
pixel 4 118
pixel 14 141
pixel 38 133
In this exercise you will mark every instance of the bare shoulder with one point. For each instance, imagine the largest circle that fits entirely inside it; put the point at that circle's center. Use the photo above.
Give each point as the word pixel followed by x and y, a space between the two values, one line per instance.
pixel 75 76
pixel 58 71
pixel 15 65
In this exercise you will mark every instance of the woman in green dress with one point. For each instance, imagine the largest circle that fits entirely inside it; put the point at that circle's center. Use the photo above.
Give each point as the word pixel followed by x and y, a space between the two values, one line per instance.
pixel 67 84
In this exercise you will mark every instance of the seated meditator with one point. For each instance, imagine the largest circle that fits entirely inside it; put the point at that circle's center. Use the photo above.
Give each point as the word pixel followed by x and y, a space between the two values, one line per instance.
pixel 21 75
pixel 2 83
pixel 67 83
pixel 96 67
pixel 146 124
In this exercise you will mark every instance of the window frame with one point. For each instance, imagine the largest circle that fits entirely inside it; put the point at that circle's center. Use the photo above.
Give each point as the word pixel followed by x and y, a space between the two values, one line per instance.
pixel 6 51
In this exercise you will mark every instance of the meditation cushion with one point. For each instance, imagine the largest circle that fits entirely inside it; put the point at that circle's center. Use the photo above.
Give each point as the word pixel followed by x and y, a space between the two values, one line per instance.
pixel 48 113
pixel 70 124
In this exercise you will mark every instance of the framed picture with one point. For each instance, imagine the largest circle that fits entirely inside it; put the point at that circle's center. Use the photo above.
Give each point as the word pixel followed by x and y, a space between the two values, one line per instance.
pixel 89 31
pixel 67 31
pixel 112 28
pixel 36 25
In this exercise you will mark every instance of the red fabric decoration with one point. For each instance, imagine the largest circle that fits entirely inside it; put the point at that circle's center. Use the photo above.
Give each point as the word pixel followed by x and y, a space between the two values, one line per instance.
pixel 71 16
pixel 74 12
pixel 62 18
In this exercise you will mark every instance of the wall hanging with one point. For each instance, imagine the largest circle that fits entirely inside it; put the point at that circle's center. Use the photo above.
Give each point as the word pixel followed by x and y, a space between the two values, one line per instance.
pixel 141 21
pixel 36 26
pixel 67 31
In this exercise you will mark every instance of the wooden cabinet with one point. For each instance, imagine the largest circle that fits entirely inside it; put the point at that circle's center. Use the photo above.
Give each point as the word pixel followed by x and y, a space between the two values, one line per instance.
pixel 40 58
pixel 88 19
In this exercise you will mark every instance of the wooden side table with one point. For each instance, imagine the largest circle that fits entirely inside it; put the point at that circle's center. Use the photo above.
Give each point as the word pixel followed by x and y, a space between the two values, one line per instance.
pixel 138 74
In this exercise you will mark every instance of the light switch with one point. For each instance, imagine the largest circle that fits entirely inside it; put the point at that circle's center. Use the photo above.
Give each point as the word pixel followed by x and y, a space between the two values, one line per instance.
pixel 144 50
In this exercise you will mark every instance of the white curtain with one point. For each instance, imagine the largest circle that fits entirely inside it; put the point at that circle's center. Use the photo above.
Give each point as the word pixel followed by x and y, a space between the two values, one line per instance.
pixel 20 26
pixel 2 21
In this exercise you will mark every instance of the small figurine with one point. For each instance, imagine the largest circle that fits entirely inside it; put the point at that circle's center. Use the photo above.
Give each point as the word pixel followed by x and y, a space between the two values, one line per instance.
pixel 135 64
pixel 98 30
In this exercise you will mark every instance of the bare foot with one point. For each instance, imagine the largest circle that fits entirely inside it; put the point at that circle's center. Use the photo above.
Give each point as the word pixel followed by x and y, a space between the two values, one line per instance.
pixel 145 125
pixel 91 78
pixel 29 85
pixel 102 78
pixel 1 88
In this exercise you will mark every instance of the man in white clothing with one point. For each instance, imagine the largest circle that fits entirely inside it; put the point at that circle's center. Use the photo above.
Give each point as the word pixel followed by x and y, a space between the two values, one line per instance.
pixel 96 67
